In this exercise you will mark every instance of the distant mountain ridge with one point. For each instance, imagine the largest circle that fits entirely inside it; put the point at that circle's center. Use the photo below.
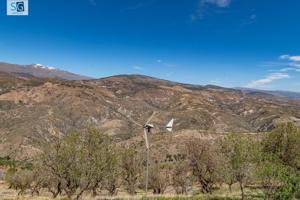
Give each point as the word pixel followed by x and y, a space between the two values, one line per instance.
pixel 40 71
pixel 278 93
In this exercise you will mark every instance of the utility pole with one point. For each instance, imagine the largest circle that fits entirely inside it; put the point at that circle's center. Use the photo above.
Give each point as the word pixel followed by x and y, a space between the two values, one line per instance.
pixel 147 173
pixel 147 131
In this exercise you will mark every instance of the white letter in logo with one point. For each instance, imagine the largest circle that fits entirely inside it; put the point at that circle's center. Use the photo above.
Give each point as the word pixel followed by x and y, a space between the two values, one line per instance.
pixel 17 7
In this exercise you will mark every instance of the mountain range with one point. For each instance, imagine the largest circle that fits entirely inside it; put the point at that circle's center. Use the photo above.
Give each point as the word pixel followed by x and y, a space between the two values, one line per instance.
pixel 39 70
pixel 278 93
pixel 34 108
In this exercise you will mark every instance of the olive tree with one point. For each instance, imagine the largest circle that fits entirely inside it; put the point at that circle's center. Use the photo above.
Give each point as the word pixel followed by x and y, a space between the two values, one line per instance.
pixel 205 162
pixel 20 180
pixel 283 144
pixel 239 154
pixel 77 162
pixel 132 165
pixel 159 177
pixel 112 178
pixel 180 177
pixel 269 171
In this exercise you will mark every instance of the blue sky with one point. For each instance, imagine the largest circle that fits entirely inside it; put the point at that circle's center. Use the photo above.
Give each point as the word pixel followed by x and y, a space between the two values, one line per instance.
pixel 232 43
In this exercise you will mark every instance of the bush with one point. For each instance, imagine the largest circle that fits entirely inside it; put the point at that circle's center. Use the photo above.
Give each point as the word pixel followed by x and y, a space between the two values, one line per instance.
pixel 20 180
pixel 132 165
pixel 290 188
pixel 283 145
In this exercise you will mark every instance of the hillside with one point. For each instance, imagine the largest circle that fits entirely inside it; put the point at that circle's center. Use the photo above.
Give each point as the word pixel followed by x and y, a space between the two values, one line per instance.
pixel 38 70
pixel 32 110
pixel 278 93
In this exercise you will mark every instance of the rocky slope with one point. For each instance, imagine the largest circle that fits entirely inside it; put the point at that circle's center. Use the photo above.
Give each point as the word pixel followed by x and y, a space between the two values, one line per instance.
pixel 32 110
pixel 278 93
pixel 38 70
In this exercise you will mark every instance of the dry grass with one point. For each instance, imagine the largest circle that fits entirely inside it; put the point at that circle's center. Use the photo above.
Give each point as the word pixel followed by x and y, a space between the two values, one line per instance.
pixel 221 194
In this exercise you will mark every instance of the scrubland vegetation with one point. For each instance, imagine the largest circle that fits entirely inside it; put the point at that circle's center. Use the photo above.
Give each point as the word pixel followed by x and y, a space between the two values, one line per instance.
pixel 82 163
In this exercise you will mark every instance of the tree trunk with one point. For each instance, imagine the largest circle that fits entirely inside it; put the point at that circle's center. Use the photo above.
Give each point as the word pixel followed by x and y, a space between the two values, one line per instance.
pixel 206 187
pixel 54 193
pixel 57 192
pixel 78 196
pixel 112 190
pixel 242 191
pixel 230 187
pixel 95 189
pixel 131 189
pixel 69 194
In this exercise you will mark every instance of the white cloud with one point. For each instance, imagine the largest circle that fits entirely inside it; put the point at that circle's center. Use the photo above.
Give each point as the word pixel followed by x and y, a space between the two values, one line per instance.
pixel 290 58
pixel 284 57
pixel 295 65
pixel 289 64
pixel 200 11
pixel 268 79
pixel 289 69
pixel 295 58
pixel 219 3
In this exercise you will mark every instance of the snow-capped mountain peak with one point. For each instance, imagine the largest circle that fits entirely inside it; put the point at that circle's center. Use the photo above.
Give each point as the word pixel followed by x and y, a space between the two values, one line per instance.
pixel 41 71
pixel 43 67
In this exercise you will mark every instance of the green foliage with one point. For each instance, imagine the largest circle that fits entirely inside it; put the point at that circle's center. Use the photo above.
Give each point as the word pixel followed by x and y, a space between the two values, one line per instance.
pixel 290 188
pixel 159 177
pixel 88 161
pixel 211 197
pixel 239 152
pixel 7 161
pixel 282 170
pixel 284 142
pixel 176 198
pixel 112 177
pixel 77 163
pixel 270 172
pixel 132 165
pixel 19 179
